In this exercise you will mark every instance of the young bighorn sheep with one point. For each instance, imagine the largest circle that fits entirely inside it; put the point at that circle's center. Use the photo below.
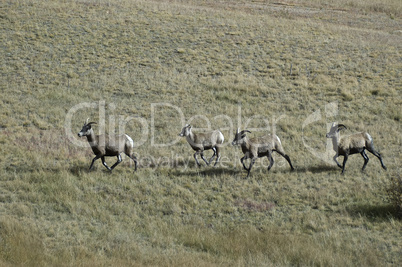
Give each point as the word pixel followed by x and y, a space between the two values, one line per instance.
pixel 203 141
pixel 351 144
pixel 258 147
pixel 108 146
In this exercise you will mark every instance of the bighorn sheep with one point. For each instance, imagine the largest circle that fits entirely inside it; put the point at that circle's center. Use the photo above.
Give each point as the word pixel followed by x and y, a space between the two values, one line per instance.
pixel 203 141
pixel 108 146
pixel 351 144
pixel 259 147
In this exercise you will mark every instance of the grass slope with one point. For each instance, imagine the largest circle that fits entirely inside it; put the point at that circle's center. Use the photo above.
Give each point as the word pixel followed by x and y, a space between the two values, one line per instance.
pixel 262 65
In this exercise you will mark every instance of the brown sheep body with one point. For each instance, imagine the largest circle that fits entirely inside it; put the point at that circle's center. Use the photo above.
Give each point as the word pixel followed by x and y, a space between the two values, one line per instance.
pixel 108 146
pixel 352 144
pixel 258 147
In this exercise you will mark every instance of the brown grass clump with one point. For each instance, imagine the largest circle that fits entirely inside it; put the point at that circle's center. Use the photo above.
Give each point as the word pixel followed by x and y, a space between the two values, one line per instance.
pixel 395 193
pixel 254 206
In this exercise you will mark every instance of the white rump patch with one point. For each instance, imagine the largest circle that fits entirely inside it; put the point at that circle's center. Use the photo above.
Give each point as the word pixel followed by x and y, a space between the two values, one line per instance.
pixel 222 137
pixel 279 140
pixel 130 140
pixel 369 137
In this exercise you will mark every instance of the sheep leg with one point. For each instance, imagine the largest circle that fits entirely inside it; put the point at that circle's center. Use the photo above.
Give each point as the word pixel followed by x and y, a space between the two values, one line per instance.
pixel 104 163
pixel 242 161
pixel 337 163
pixel 210 160
pixel 290 163
pixel 378 155
pixel 366 159
pixel 345 158
pixel 135 161
pixel 117 162
pixel 287 159
pixel 93 161
pixel 217 154
pixel 271 160
pixel 251 165
pixel 196 160
pixel 202 156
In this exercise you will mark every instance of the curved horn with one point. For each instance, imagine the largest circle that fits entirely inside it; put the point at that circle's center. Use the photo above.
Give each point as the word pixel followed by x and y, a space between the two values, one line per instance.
pixel 89 123
pixel 246 131
pixel 341 125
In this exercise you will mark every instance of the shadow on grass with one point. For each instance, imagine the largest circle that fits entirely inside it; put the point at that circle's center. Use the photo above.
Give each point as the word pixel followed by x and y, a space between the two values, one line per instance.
pixel 318 169
pixel 77 170
pixel 81 168
pixel 374 212
pixel 205 171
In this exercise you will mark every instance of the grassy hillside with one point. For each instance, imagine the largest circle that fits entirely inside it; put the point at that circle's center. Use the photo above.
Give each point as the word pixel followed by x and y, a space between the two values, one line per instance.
pixel 148 67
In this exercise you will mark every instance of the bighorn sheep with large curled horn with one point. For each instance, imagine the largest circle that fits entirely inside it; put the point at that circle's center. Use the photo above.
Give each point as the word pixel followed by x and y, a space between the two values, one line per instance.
pixel 351 144
pixel 108 146
pixel 258 147
pixel 203 141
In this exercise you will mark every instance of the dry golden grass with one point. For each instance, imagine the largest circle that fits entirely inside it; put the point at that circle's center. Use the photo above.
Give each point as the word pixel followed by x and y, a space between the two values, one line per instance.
pixel 226 62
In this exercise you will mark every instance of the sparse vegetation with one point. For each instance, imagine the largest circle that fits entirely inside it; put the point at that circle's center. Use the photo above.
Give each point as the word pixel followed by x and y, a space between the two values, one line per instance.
pixel 144 62
pixel 395 193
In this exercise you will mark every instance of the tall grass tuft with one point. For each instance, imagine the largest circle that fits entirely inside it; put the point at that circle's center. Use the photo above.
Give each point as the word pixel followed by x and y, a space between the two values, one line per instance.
pixel 394 191
pixel 20 245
